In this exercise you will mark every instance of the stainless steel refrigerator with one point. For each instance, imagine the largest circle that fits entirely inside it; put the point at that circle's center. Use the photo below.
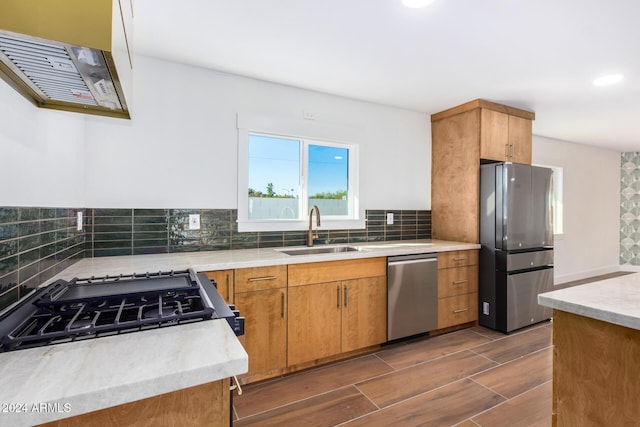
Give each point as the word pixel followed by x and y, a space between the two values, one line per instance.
pixel 516 237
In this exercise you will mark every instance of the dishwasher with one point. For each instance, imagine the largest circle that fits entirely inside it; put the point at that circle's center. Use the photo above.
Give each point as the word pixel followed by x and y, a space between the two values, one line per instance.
pixel 412 295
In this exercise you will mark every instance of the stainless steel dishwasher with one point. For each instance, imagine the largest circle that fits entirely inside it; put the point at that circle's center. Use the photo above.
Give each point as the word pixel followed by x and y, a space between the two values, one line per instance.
pixel 412 295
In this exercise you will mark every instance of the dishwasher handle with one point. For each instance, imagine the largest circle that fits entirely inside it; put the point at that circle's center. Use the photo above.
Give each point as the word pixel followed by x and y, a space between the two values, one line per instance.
pixel 410 259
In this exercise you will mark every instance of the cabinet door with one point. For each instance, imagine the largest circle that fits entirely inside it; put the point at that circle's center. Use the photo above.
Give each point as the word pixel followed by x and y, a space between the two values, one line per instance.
pixel 224 282
pixel 265 331
pixel 314 322
pixel 520 136
pixel 494 135
pixel 364 312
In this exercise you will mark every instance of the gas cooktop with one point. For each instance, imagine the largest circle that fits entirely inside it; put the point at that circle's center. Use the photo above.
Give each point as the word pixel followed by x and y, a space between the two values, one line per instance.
pixel 67 311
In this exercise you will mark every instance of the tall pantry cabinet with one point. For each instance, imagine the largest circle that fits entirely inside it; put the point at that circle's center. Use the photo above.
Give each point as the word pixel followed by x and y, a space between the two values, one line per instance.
pixel 461 138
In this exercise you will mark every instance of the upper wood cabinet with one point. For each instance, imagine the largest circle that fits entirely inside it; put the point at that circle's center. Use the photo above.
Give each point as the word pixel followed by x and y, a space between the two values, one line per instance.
pixel 461 137
pixel 505 137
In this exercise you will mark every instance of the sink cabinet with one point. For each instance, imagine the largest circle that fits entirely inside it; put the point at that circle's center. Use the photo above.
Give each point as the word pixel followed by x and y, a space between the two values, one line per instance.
pixel 461 138
pixel 335 307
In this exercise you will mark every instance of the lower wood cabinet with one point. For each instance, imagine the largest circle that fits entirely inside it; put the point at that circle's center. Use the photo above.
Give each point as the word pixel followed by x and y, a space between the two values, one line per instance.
pixel 261 297
pixel 335 307
pixel 224 283
pixel 314 322
pixel 301 313
pixel 202 405
pixel 457 288
pixel 364 312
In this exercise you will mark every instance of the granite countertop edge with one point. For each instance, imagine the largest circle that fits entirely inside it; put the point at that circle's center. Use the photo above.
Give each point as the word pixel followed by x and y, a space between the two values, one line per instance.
pixel 615 300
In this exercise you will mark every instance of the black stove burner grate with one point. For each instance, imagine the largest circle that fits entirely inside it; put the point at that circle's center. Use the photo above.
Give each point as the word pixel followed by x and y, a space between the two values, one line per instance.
pixel 93 307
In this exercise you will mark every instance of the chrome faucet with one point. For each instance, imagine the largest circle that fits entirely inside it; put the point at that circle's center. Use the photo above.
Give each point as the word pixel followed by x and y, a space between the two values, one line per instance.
pixel 310 235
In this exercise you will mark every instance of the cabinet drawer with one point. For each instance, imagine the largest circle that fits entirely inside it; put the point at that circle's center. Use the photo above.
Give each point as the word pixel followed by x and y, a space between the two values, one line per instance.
pixel 260 278
pixel 457 310
pixel 332 271
pixel 457 258
pixel 457 281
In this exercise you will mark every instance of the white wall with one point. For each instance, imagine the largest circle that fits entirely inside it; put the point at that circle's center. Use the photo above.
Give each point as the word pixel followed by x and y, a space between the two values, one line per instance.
pixel 180 149
pixel 42 154
pixel 590 243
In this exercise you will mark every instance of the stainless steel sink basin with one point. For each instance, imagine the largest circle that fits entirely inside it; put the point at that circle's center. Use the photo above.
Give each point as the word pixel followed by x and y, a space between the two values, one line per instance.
pixel 319 250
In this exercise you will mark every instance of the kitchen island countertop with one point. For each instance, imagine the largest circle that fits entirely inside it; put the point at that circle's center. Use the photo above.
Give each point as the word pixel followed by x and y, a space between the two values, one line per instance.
pixel 53 382
pixel 615 300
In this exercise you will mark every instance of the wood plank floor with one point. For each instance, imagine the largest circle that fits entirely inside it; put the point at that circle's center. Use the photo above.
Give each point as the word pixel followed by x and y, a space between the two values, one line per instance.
pixel 469 378
pixel 472 377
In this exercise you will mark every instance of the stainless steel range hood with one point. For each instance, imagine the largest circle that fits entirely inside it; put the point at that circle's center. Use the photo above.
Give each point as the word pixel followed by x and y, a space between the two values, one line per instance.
pixel 71 55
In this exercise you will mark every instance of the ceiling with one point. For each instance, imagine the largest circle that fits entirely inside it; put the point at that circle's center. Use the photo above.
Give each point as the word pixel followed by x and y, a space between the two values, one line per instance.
pixel 539 55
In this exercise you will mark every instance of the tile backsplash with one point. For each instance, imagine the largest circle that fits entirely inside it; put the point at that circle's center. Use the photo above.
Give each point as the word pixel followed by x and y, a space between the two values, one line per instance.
pixel 148 231
pixel 37 243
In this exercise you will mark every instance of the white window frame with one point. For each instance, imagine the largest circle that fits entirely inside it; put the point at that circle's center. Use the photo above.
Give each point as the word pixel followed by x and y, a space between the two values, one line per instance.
pixel 557 191
pixel 309 133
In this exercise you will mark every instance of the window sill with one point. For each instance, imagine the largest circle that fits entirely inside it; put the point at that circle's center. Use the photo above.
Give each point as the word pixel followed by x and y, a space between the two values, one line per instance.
pixel 287 225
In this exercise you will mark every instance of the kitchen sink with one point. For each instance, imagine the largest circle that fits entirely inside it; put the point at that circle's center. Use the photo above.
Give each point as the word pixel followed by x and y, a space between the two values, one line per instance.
pixel 319 250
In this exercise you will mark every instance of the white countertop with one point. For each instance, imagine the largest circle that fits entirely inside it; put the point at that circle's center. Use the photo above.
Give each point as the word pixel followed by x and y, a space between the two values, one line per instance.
pixel 98 373
pixel 615 300
pixel 79 377
pixel 243 258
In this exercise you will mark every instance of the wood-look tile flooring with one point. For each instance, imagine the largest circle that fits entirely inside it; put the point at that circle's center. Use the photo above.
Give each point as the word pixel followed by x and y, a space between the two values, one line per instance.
pixel 468 378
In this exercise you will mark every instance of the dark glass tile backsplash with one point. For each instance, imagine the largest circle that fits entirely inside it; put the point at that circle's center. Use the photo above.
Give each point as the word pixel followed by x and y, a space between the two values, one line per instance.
pixel 35 244
pixel 152 231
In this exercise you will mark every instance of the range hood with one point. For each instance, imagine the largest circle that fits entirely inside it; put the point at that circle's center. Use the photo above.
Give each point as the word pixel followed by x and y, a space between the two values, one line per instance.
pixel 71 55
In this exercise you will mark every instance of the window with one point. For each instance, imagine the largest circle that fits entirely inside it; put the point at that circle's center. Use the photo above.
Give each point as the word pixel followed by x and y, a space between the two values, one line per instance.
pixel 281 177
pixel 556 198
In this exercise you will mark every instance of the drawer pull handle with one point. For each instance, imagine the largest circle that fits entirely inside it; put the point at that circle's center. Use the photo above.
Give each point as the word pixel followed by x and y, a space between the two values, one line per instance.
pixel 258 279
pixel 459 282
pixel 460 310
pixel 235 385
pixel 463 258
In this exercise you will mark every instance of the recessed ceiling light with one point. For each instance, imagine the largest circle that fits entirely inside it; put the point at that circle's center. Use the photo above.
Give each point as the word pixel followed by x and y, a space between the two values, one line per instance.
pixel 608 80
pixel 414 4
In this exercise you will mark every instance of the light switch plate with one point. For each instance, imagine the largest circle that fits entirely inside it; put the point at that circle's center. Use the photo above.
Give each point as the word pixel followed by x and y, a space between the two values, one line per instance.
pixel 79 222
pixel 390 218
pixel 194 221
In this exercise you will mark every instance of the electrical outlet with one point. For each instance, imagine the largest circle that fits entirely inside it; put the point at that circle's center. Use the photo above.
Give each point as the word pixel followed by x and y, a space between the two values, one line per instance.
pixel 79 222
pixel 308 115
pixel 390 218
pixel 194 221
pixel 485 308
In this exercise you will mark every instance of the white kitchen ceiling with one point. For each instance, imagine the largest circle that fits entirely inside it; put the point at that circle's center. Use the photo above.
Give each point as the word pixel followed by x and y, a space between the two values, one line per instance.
pixel 539 55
